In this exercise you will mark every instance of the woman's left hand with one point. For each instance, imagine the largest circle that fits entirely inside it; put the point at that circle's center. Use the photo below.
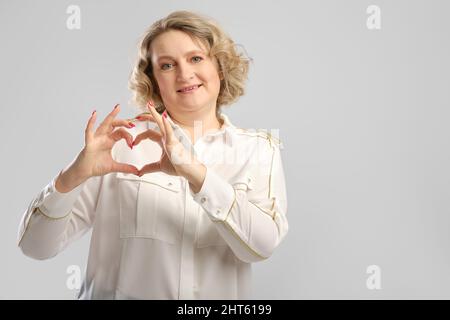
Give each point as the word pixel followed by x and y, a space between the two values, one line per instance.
pixel 175 159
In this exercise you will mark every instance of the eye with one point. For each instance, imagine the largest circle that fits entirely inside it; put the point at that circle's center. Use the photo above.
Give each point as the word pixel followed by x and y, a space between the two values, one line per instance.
pixel 165 64
pixel 198 58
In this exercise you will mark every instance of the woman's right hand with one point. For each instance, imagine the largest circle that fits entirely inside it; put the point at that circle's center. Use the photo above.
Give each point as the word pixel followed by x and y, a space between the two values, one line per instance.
pixel 95 159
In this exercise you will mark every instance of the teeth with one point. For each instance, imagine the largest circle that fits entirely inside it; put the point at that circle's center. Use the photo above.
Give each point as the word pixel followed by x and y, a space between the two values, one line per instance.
pixel 189 89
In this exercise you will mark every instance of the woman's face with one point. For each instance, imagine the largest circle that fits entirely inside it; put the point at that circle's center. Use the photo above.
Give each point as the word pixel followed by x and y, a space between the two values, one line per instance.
pixel 178 62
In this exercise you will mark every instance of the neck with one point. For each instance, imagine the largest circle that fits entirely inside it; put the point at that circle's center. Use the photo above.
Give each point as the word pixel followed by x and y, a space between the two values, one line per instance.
pixel 197 123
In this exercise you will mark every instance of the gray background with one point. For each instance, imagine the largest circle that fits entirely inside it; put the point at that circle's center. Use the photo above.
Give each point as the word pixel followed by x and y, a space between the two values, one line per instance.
pixel 363 115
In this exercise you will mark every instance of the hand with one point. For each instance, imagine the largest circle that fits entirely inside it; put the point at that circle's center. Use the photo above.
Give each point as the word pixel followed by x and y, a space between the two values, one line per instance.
pixel 175 159
pixel 95 159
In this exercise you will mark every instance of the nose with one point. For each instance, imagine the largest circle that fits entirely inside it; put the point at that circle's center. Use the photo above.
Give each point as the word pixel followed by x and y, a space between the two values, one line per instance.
pixel 185 72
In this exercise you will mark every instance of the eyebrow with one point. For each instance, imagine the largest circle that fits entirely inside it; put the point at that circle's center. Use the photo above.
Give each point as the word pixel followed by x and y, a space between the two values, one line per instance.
pixel 186 54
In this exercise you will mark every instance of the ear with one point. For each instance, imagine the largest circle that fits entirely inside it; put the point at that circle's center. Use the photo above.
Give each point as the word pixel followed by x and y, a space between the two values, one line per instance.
pixel 219 68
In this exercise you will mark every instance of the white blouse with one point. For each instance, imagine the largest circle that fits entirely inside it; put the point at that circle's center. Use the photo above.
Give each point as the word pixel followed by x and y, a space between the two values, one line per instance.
pixel 152 237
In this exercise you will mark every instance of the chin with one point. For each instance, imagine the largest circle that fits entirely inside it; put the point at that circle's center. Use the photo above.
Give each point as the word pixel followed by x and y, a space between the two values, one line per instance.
pixel 192 103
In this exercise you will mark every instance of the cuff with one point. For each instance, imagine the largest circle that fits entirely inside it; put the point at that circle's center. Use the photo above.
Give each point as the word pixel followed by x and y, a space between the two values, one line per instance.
pixel 216 196
pixel 56 204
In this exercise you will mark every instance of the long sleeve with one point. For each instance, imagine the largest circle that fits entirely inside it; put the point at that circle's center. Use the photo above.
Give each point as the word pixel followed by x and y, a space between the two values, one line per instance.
pixel 54 219
pixel 253 226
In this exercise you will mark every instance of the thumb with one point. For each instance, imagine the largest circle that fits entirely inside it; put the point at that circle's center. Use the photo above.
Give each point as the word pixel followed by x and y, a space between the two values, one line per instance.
pixel 125 168
pixel 151 167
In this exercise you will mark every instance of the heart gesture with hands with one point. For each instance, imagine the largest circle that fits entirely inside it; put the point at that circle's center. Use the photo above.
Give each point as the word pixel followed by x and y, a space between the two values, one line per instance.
pixel 175 159
pixel 95 158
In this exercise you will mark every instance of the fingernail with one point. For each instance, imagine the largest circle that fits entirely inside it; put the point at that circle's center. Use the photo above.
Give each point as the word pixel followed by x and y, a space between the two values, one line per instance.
pixel 165 114
pixel 116 106
pixel 131 124
pixel 139 118
pixel 94 112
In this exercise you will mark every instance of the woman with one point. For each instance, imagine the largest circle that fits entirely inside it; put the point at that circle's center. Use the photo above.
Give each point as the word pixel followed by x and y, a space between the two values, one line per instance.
pixel 181 201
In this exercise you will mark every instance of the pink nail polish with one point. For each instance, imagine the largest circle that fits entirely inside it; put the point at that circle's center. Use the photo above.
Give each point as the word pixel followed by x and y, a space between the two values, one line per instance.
pixel 165 114
pixel 131 124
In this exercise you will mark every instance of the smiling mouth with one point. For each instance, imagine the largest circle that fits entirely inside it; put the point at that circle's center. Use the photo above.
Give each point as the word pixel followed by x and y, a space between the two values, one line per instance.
pixel 189 89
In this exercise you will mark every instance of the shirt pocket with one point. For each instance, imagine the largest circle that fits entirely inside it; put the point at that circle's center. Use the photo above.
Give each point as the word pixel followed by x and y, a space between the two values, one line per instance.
pixel 151 207
pixel 246 181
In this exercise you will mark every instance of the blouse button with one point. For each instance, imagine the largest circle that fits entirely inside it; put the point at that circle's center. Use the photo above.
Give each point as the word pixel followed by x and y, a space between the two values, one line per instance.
pixel 203 199
pixel 218 211
pixel 169 184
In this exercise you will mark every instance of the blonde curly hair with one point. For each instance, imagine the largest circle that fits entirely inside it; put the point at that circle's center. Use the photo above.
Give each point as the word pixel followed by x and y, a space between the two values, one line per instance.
pixel 233 65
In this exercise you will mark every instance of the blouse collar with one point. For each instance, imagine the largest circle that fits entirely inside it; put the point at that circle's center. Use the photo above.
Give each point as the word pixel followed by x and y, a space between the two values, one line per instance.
pixel 228 130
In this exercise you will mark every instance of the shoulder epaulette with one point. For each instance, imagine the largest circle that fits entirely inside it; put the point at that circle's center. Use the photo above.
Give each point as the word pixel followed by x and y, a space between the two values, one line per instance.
pixel 273 141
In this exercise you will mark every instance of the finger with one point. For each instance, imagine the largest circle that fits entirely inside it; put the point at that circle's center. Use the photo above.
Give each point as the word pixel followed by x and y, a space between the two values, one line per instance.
pixel 105 126
pixel 121 133
pixel 168 129
pixel 157 118
pixel 122 123
pixel 125 168
pixel 144 117
pixel 90 127
pixel 151 167
pixel 149 134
